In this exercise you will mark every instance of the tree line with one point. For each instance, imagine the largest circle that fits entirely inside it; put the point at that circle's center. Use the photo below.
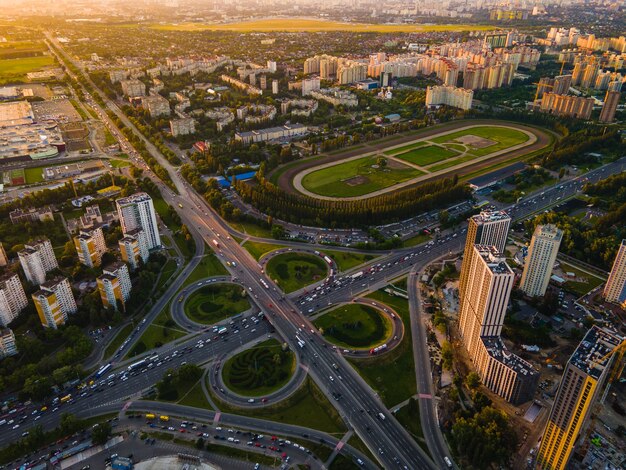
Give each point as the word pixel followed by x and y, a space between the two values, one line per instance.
pixel 396 205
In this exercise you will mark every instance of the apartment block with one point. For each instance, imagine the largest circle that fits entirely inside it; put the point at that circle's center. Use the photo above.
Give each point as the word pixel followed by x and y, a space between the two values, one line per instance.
pixel 156 105
pixel 4 260
pixel 54 302
pixel 544 247
pixel 12 298
pixel 182 126
pixel 450 96
pixel 611 100
pixel 133 88
pixel 580 385
pixel 7 343
pixel 486 228
pixel 37 258
pixel 565 105
pixel 137 212
pixel 114 285
pixel 134 248
pixel 615 288
pixel 90 246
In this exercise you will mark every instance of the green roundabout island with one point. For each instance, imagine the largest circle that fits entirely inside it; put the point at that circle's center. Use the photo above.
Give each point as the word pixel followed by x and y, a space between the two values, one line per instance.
pixel 260 370
pixel 293 270
pixel 355 326
pixel 216 302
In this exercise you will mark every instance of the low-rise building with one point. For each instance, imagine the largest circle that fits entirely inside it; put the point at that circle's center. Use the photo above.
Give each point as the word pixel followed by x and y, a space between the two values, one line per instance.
pixel 156 105
pixel 287 131
pixel 41 214
pixel 54 302
pixel 133 88
pixel 182 126
pixel 336 97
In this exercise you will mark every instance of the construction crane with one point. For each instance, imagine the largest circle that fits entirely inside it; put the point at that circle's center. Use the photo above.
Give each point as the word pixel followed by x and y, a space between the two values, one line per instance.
pixel 618 366
pixel 538 88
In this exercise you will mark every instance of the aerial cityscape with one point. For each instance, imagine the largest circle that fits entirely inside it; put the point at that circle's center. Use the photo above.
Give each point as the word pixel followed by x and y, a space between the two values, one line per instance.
pixel 312 235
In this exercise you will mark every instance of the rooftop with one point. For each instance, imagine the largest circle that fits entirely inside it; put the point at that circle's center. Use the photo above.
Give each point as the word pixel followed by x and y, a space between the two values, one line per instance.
pixel 137 197
pixel 490 216
pixel 498 351
pixel 495 260
pixel 591 354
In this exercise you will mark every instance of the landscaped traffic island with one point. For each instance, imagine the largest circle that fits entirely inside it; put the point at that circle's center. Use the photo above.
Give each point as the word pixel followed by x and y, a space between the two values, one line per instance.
pixel 260 370
pixel 293 271
pixel 215 302
pixel 355 326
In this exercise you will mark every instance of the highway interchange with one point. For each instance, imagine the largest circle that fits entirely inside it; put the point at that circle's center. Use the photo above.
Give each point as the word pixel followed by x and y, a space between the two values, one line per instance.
pixel 359 405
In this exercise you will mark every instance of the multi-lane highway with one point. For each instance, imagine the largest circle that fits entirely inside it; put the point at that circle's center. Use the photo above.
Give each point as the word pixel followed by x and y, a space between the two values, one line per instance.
pixel 358 404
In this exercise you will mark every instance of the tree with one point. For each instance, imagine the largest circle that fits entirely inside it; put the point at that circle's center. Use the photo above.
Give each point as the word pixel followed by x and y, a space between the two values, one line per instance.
pixel 444 217
pixel 472 381
pixel 101 433
pixel 189 373
pixel 381 162
pixel 447 355
pixel 277 359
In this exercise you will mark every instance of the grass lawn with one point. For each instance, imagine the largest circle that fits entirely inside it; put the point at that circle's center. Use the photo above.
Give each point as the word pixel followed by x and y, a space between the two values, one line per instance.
pixel 119 163
pixel 209 266
pixel 452 162
pixel 504 137
pixel 404 148
pixel 79 110
pixel 154 337
pixel 251 229
pixel 33 175
pixel 342 462
pixel 346 260
pixel 257 250
pixel 416 240
pixel 108 137
pixel 580 287
pixel 355 326
pixel 392 375
pixel 427 155
pixel 356 177
pixel 16 69
pixel 260 370
pixel 215 302
pixel 167 272
pixel 299 25
pixel 195 397
pixel 292 271
pixel 306 407
pixel 118 340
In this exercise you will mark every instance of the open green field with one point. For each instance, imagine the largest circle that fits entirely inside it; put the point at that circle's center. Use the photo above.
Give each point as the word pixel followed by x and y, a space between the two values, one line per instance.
pixel 209 266
pixel 392 375
pixel 298 25
pixel 292 271
pixel 404 148
pixel 356 177
pixel 119 163
pixel 21 49
pixel 257 249
pixel 503 137
pixel 427 155
pixel 16 69
pixel 260 370
pixel 355 326
pixel 346 260
pixel 215 302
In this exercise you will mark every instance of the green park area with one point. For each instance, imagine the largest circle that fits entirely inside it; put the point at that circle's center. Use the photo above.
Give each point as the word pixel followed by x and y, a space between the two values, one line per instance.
pixel 292 271
pixel 260 370
pixel 347 260
pixel 257 249
pixel 426 155
pixel 215 302
pixel 15 70
pixel 357 177
pixel 355 326
pixel 119 163
pixel 483 140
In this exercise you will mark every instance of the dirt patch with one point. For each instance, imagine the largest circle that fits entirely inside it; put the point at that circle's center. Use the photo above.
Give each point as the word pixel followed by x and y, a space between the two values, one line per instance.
pixel 356 180
pixel 475 141
pixel 395 164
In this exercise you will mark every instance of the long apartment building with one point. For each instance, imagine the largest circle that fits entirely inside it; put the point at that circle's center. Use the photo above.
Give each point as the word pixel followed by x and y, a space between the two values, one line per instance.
pixel 615 288
pixel 137 211
pixel 580 385
pixel 483 308
pixel 567 106
pixel 54 301
pixel 544 247
pixel 12 298
pixel 37 258
pixel 449 95
pixel 134 248
pixel 7 343
pixel 4 260
pixel 90 246
pixel 114 285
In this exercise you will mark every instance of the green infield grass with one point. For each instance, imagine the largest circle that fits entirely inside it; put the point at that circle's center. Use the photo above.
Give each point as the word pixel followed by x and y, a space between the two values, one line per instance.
pixel 355 326
pixel 292 270
pixel 426 155
pixel 215 302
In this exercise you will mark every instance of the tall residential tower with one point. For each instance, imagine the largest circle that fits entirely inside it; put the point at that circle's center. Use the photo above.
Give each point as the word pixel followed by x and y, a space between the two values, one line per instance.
pixel 542 252
pixel 615 289
pixel 137 211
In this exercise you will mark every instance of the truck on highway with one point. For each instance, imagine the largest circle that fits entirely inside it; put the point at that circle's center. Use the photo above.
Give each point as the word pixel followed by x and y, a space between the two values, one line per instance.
pixel 103 370
pixel 381 416
pixel 222 331
pixel 378 349
pixel 66 398
pixel 134 365
pixel 328 260
pixel 356 276
pixel 216 243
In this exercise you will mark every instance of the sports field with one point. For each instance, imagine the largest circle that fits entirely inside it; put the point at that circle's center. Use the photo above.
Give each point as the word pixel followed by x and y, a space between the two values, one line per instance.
pixel 16 69
pixel 314 25
pixel 411 162
pixel 357 177
pixel 427 155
